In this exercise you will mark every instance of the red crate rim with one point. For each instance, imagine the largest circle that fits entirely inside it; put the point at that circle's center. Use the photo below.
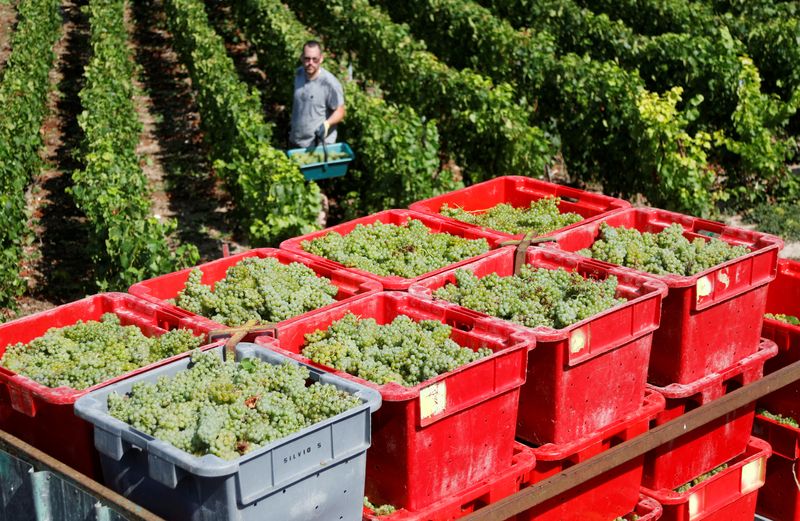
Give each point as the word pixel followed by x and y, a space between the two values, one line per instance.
pixel 766 349
pixel 772 242
pixel 652 405
pixel 549 334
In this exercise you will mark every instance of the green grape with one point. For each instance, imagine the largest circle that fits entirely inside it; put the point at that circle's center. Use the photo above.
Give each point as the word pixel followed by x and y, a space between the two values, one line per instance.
pixel 87 353
pixel 382 510
pixel 785 420
pixel 535 297
pixel 699 479
pixel 663 253
pixel 258 289
pixel 404 351
pixel 407 251
pixel 541 216
pixel 227 408
pixel 789 319
pixel 310 158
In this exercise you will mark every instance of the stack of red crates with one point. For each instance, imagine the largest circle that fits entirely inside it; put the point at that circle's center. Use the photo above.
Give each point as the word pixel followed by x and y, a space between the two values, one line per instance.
pixel 779 500
pixel 708 344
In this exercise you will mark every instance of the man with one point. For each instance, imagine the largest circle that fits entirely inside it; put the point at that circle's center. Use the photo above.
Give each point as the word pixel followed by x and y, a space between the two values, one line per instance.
pixel 318 101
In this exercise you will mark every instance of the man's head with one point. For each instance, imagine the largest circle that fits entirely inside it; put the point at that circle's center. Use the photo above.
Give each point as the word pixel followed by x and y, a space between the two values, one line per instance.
pixel 311 57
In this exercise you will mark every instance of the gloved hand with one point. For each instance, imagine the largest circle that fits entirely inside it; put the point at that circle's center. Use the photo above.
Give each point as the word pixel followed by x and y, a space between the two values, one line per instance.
pixel 322 131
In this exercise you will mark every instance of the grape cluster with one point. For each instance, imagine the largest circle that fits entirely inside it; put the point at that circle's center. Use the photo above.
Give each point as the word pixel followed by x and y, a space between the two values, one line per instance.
pixel 541 217
pixel 227 408
pixel 87 353
pixel 535 297
pixel 404 351
pixel 785 420
pixel 699 479
pixel 387 249
pixel 382 510
pixel 260 289
pixel 663 253
pixel 789 319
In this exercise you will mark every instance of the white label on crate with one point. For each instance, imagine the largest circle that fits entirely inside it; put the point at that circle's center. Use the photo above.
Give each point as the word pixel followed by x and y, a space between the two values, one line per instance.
pixel 722 276
pixel 703 287
pixel 753 475
pixel 697 503
pixel 577 341
pixel 432 400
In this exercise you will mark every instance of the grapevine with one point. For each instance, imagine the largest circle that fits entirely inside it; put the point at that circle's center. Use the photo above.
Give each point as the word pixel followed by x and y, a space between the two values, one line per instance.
pixel 87 353
pixel 789 319
pixel 407 251
pixel 227 408
pixel 535 297
pixel 404 351
pixel 260 289
pixel 666 252
pixel 541 217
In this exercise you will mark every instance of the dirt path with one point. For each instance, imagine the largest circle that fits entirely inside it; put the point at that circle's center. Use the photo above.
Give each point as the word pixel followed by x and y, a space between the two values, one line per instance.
pixel 8 22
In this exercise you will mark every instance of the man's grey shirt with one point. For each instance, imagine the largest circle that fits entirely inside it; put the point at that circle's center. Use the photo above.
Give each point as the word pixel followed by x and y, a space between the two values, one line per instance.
pixel 314 101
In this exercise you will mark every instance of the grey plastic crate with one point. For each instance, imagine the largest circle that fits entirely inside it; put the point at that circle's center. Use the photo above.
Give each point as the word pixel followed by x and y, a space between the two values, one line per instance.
pixel 315 474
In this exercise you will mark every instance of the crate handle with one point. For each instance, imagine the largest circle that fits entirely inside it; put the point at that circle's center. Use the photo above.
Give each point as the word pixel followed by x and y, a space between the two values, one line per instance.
pixel 238 333
pixel 568 198
pixel 522 247
pixel 708 233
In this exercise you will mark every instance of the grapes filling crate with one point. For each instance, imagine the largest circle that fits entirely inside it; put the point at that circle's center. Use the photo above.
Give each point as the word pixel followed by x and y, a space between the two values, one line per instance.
pixel 278 303
pixel 314 474
pixel 43 416
pixel 612 494
pixel 520 193
pixel 699 451
pixel 434 439
pixel 728 495
pixel 426 245
pixel 710 319
pixel 587 374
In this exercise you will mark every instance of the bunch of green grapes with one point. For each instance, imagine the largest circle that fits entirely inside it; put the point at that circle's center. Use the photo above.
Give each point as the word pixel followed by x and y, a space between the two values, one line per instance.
pixel 535 297
pixel 387 249
pixel 699 479
pixel 228 408
pixel 379 510
pixel 785 420
pixel 87 353
pixel 541 217
pixel 405 352
pixel 260 289
pixel 663 253
pixel 310 158
pixel 789 319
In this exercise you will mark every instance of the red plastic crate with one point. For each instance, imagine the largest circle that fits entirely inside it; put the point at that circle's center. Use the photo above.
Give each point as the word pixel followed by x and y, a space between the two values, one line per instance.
pixel 397 217
pixel 501 485
pixel 703 449
pixel 43 416
pixel 434 440
pixel 728 496
pixel 710 320
pixel 520 191
pixel 160 289
pixel 783 297
pixel 779 499
pixel 589 374
pixel 612 494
